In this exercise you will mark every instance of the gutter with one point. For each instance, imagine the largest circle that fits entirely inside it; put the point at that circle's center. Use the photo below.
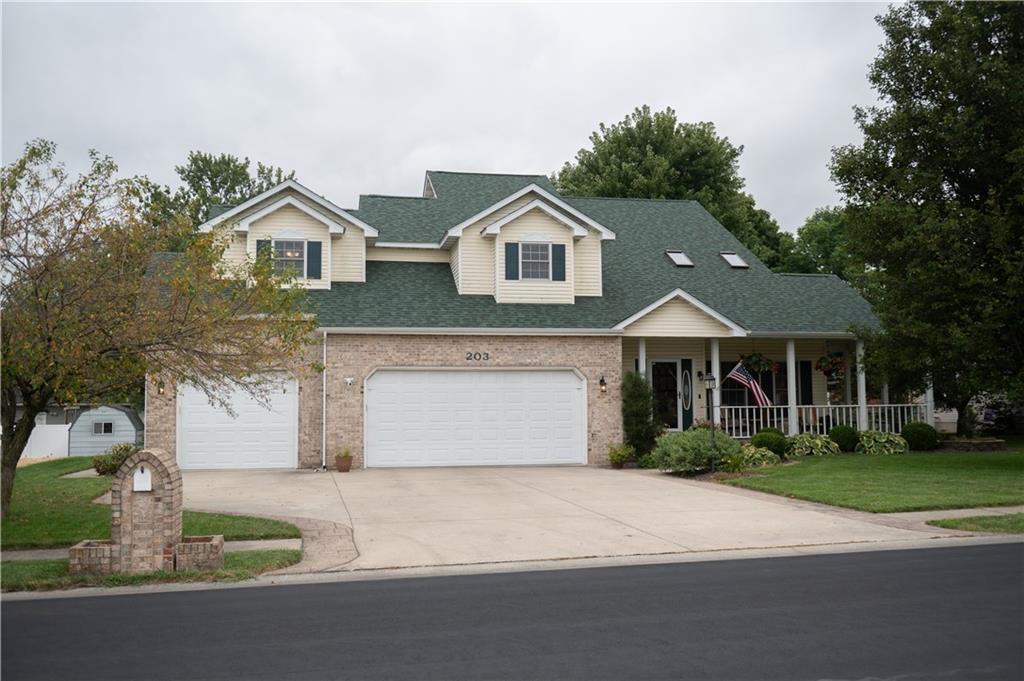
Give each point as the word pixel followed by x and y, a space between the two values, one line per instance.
pixel 466 331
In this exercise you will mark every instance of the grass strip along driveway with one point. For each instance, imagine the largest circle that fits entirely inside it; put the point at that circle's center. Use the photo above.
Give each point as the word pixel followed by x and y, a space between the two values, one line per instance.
pixel 917 481
pixel 49 511
pixel 1011 523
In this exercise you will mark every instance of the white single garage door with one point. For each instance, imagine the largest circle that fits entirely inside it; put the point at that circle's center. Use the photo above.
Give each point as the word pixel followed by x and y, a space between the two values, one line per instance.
pixel 441 417
pixel 256 437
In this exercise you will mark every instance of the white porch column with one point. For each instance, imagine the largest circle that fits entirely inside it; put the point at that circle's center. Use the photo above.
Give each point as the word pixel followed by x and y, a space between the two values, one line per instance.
pixel 862 388
pixel 847 382
pixel 929 405
pixel 791 369
pixel 885 393
pixel 642 357
pixel 716 394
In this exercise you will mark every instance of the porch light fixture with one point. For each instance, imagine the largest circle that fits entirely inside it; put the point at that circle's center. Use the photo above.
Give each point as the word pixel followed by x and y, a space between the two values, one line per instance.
pixel 603 385
pixel 710 382
pixel 160 388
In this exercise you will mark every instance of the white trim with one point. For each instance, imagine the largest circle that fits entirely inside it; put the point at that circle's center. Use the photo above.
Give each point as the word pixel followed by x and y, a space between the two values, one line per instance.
pixel 332 226
pixel 734 259
pixel 679 387
pixel 578 230
pixel 400 244
pixel 427 181
pixel 837 335
pixel 464 331
pixel 736 329
pixel 295 186
pixel 550 264
pixel 456 231
pixel 305 256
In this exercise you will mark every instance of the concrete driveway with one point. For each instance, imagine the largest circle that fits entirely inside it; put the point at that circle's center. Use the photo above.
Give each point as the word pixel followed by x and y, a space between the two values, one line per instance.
pixel 454 516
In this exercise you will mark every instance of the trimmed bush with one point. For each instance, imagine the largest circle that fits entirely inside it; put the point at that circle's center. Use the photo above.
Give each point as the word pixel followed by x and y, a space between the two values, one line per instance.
pixel 807 444
pixel 920 436
pixel 620 454
pixel 774 441
pixel 108 462
pixel 648 461
pixel 770 429
pixel 845 436
pixel 878 443
pixel 691 451
pixel 639 428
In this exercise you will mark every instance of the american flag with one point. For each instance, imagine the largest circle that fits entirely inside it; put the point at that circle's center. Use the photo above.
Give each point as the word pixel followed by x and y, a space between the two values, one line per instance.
pixel 741 375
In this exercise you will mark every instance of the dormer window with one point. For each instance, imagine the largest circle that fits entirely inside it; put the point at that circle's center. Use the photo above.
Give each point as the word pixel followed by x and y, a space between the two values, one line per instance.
pixel 290 258
pixel 535 260
pixel 734 260
pixel 679 258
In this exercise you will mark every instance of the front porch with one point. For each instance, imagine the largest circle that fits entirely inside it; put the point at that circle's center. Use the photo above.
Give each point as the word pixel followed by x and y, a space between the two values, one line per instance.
pixel 804 400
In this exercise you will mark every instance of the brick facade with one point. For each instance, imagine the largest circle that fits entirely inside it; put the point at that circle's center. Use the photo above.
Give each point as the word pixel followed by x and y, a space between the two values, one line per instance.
pixel 356 356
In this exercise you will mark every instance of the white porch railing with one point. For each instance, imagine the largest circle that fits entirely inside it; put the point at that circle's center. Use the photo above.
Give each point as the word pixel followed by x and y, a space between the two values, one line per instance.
pixel 745 422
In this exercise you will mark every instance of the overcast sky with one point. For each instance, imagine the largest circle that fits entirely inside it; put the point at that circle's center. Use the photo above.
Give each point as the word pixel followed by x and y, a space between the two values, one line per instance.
pixel 363 99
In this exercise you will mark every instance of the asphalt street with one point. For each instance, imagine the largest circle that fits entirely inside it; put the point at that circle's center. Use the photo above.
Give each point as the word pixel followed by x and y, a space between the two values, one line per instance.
pixel 947 614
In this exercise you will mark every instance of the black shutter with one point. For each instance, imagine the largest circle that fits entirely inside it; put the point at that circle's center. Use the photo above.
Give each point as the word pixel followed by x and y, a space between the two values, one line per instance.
pixel 557 262
pixel 313 260
pixel 511 261
pixel 806 392
pixel 263 247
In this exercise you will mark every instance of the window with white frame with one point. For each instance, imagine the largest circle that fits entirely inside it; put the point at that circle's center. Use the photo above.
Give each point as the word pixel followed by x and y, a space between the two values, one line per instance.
pixel 290 258
pixel 102 427
pixel 535 260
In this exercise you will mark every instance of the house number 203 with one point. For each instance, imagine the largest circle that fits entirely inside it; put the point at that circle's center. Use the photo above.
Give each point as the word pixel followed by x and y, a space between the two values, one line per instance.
pixel 478 356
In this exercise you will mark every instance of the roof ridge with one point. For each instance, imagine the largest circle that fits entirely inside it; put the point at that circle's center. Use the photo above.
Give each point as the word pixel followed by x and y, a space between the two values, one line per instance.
pixel 630 198
pixel 807 274
pixel 396 196
pixel 472 172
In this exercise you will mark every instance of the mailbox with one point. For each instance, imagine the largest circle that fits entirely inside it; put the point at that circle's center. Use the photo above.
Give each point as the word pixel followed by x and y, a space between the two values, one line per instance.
pixel 142 479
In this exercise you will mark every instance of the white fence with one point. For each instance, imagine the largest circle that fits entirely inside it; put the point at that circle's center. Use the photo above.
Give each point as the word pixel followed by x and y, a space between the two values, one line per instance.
pixel 745 422
pixel 47 441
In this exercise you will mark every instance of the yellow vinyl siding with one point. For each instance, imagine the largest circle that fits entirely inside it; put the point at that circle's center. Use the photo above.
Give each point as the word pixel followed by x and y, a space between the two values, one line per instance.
pixel 475 267
pixel 407 254
pixel 349 263
pixel 234 246
pixel 668 349
pixel 775 349
pixel 587 265
pixel 453 260
pixel 677 318
pixel 528 227
pixel 291 220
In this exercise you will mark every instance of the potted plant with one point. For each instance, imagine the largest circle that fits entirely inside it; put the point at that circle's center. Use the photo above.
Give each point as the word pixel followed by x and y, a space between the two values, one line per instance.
pixel 343 461
pixel 618 455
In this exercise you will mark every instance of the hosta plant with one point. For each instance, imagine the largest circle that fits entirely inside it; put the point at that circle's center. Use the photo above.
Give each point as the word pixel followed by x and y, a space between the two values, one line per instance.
pixel 759 457
pixel 877 443
pixel 808 444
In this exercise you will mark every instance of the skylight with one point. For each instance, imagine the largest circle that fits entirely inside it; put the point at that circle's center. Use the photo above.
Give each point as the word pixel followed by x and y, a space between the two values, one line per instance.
pixel 679 258
pixel 734 260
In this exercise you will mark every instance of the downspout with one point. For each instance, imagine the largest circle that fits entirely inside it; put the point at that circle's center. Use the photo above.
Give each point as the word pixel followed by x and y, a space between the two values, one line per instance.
pixel 323 408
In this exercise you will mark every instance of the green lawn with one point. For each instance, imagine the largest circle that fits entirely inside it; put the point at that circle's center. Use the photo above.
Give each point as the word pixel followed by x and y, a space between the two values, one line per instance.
pixel 911 482
pixel 49 511
pixel 1012 523
pixel 45 575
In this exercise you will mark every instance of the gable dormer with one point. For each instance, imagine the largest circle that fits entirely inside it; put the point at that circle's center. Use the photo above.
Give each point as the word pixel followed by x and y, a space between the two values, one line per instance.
pixel 303 232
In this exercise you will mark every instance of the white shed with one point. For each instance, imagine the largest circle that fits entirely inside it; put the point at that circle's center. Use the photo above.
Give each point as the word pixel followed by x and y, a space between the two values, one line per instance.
pixel 95 429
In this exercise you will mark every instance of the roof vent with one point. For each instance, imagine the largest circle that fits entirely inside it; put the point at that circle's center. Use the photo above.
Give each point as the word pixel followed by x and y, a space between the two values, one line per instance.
pixel 679 258
pixel 734 260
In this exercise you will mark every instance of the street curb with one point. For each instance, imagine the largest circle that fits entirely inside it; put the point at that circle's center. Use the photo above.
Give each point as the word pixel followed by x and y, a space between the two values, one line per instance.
pixel 376 574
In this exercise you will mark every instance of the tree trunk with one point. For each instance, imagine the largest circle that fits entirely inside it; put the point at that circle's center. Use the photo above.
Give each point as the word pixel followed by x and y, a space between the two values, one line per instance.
pixel 965 419
pixel 15 439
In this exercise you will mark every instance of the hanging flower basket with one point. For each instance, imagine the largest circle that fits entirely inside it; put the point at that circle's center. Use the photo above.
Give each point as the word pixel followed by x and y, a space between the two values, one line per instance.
pixel 756 363
pixel 833 365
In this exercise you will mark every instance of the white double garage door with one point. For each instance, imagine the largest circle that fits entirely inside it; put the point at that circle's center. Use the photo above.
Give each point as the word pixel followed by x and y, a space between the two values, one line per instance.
pixel 421 417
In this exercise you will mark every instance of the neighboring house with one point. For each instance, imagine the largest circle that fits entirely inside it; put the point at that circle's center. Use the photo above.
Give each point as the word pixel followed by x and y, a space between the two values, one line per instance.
pixel 82 430
pixel 490 321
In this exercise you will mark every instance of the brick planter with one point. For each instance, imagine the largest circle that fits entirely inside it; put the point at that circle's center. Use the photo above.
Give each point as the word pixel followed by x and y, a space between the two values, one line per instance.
pixel 975 444
pixel 199 553
pixel 92 557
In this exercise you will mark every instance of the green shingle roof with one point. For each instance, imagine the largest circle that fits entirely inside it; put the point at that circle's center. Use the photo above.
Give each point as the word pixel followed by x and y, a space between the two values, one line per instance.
pixel 636 270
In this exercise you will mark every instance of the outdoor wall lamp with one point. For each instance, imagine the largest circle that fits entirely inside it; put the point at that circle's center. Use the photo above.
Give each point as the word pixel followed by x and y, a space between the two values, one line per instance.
pixel 709 380
pixel 603 385
pixel 159 387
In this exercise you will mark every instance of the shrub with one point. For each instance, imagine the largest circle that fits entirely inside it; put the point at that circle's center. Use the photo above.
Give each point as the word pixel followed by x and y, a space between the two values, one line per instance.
pixel 770 429
pixel 620 454
pixel 807 444
pixel 638 425
pixel 920 436
pixel 108 462
pixel 759 457
pixel 881 444
pixel 648 460
pixel 767 439
pixel 733 463
pixel 844 436
pixel 691 451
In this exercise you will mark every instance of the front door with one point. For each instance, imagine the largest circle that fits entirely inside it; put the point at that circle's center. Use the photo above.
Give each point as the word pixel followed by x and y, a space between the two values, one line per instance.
pixel 672 384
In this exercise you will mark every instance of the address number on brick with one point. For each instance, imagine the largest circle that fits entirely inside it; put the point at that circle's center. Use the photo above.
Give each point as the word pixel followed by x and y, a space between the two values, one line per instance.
pixel 478 356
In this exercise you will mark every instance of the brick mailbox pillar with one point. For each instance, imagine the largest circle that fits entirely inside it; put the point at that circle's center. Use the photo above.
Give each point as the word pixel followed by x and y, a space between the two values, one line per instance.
pixel 145 531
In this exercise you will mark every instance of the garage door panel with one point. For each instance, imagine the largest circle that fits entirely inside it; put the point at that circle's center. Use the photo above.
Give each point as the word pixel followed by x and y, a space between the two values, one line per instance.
pixel 255 437
pixel 486 417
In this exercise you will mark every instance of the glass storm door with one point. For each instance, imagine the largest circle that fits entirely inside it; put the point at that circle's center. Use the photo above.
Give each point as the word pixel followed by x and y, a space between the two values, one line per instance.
pixel 665 383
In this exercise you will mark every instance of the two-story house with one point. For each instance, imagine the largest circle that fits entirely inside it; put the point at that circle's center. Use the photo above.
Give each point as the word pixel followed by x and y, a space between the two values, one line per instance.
pixel 490 321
